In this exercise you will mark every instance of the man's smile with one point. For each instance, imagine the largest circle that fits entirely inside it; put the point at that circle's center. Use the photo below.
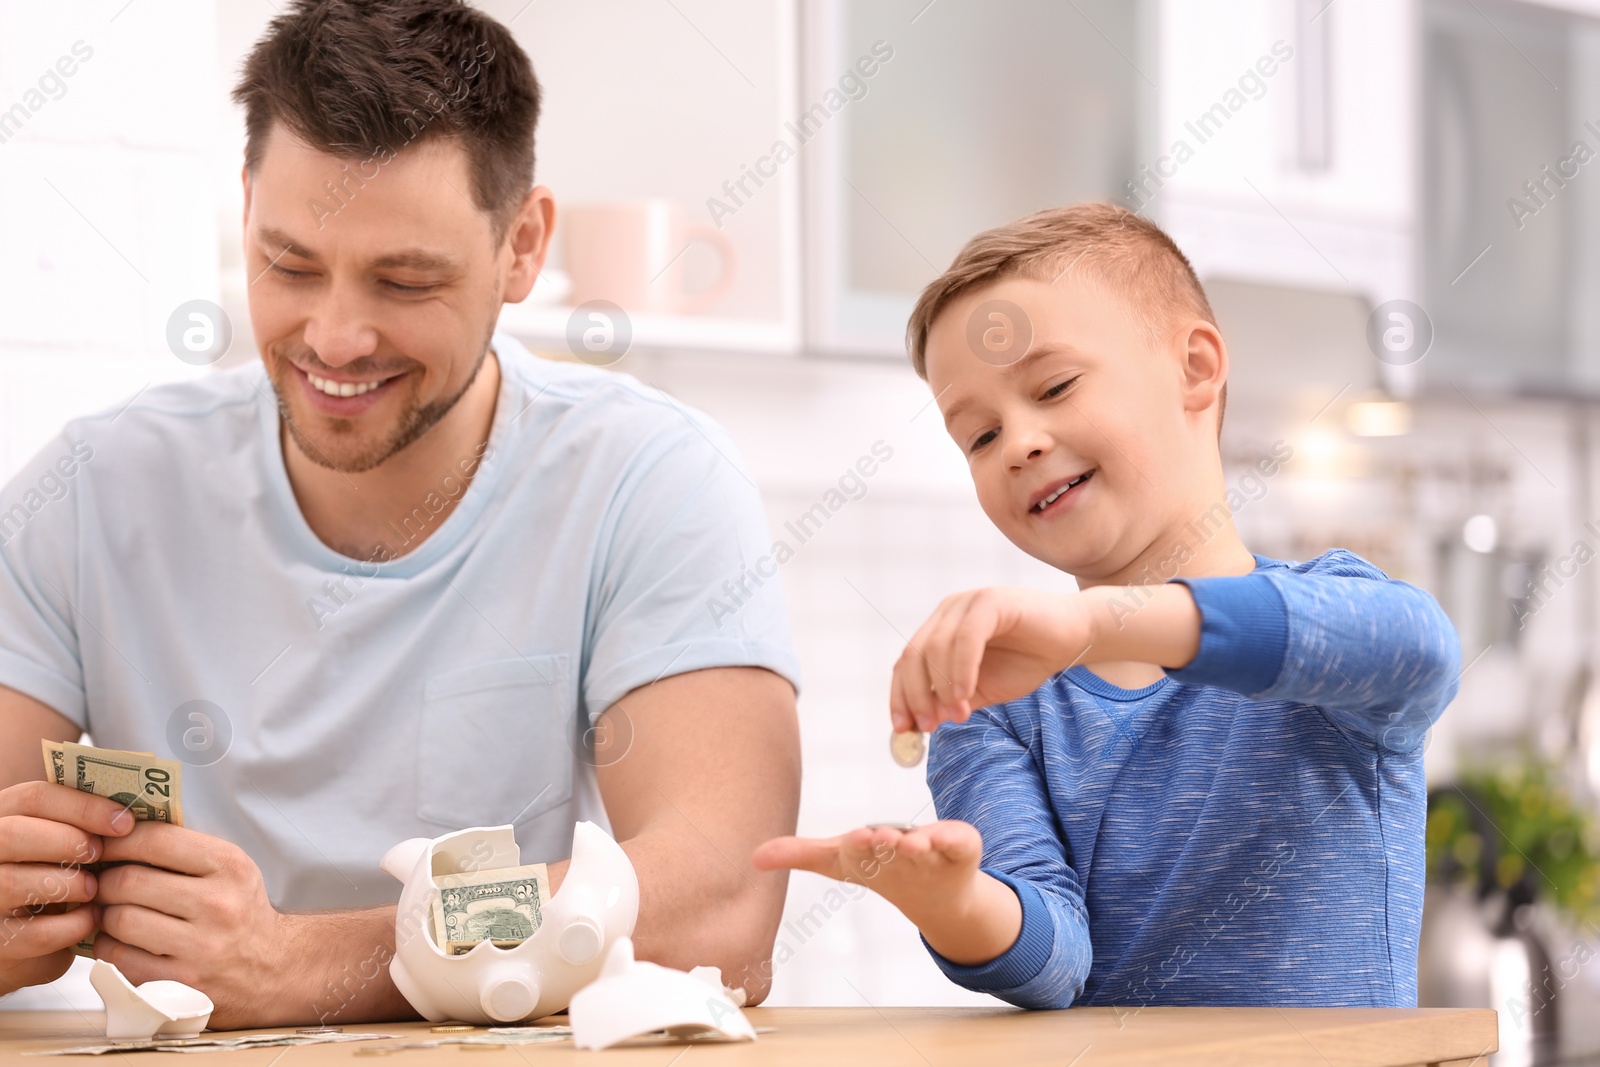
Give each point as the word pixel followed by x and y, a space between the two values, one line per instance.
pixel 344 397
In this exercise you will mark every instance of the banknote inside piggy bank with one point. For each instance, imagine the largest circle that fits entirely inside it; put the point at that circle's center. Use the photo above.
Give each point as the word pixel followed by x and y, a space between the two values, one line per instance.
pixel 478 936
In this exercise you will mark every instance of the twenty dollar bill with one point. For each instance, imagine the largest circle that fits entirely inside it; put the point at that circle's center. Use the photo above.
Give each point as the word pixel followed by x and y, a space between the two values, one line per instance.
pixel 149 787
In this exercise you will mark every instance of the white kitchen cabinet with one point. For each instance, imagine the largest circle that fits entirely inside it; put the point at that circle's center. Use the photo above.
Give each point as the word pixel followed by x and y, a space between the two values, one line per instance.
pixel 679 101
pixel 1285 150
pixel 1510 224
pixel 976 114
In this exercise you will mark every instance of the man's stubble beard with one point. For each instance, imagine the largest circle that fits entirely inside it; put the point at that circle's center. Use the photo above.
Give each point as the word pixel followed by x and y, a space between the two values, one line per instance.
pixel 415 420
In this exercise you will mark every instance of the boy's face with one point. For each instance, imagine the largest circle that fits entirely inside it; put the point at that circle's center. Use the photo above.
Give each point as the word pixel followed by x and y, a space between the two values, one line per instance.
pixel 1077 449
pixel 392 294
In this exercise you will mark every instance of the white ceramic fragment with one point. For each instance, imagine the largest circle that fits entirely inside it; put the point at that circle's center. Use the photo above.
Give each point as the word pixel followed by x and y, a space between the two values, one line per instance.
pixel 631 998
pixel 153 1009
pixel 598 902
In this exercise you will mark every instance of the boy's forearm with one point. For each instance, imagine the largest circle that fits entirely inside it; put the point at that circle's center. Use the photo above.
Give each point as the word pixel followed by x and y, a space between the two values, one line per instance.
pixel 1157 624
pixel 972 927
pixel 1379 657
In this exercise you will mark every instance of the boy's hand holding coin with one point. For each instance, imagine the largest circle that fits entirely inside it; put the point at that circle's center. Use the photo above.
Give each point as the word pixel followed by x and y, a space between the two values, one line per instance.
pixel 988 646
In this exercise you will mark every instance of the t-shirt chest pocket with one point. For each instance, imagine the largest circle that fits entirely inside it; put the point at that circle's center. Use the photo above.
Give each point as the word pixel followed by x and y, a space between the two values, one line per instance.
pixel 493 743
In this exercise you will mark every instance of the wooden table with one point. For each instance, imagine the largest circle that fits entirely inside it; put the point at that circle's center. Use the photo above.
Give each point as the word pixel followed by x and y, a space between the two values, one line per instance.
pixel 907 1037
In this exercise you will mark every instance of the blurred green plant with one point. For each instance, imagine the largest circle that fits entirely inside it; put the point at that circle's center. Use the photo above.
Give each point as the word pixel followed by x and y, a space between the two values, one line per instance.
pixel 1546 844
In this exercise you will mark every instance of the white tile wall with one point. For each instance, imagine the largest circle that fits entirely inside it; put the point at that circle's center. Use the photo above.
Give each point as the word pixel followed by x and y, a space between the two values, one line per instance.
pixel 108 221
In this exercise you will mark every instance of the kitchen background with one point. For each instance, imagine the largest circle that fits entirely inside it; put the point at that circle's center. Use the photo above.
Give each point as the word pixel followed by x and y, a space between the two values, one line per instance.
pixel 1394 205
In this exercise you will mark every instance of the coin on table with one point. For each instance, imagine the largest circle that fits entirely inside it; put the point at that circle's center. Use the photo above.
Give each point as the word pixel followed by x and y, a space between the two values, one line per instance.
pixel 907 748
pixel 453 1028
pixel 321 1030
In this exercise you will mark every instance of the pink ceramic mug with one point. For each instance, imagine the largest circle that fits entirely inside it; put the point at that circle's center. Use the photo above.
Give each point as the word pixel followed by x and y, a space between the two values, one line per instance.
pixel 632 254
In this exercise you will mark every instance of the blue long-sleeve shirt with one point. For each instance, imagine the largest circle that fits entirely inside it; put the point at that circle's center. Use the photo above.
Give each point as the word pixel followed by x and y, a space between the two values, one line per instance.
pixel 1246 831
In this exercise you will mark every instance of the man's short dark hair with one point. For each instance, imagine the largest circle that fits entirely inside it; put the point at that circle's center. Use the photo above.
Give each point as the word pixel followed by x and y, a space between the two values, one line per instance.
pixel 363 79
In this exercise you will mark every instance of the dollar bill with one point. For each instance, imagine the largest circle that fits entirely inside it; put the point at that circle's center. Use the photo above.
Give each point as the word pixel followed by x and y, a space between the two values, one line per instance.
pixel 504 906
pixel 149 787
pixel 209 1044
pixel 55 762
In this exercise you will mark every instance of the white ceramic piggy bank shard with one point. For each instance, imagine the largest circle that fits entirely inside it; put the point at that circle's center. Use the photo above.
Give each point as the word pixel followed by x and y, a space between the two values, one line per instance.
pixel 631 998
pixel 154 1009
pixel 597 903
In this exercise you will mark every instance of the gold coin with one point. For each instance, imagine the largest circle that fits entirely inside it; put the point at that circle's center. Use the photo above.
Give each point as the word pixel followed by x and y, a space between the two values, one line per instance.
pixel 907 748
pixel 453 1028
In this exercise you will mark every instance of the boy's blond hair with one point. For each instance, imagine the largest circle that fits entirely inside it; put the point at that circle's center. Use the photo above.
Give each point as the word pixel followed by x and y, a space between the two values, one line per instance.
pixel 1131 254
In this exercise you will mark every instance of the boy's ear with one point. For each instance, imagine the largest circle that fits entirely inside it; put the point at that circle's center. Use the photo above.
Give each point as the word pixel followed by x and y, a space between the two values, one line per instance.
pixel 1205 366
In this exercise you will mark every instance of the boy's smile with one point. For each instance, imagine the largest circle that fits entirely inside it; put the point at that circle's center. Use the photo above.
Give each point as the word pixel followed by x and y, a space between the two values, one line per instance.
pixel 1055 499
pixel 1065 443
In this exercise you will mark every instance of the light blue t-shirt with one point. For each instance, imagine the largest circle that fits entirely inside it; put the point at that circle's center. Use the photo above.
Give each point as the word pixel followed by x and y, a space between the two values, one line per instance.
pixel 154 556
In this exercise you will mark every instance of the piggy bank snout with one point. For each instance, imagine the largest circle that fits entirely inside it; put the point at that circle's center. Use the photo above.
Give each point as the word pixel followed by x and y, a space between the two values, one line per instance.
pixel 581 940
pixel 508 996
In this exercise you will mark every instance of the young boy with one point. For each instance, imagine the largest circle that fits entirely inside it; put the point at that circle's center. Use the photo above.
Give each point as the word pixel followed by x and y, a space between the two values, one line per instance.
pixel 1197 781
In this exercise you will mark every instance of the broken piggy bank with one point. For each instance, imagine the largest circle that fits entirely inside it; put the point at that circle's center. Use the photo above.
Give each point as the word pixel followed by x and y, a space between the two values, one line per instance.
pixel 597 903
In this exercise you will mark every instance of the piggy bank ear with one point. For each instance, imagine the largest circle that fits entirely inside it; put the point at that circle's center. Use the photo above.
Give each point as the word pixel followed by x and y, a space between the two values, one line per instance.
pixel 403 858
pixel 619 961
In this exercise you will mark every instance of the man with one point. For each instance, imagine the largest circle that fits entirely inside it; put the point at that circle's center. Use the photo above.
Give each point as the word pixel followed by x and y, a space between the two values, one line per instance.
pixel 401 576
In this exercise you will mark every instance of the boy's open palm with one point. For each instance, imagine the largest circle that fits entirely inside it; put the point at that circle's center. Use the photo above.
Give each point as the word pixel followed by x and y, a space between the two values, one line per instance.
pixel 916 870
pixel 930 873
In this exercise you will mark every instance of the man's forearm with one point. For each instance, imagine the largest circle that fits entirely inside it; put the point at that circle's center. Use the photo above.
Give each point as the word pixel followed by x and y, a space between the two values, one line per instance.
pixel 346 958
pixel 713 771
pixel 697 909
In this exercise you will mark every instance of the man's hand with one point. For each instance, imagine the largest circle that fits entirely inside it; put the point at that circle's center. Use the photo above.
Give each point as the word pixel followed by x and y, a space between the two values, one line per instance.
pixel 198 915
pixel 48 833
pixel 987 646
pixel 930 873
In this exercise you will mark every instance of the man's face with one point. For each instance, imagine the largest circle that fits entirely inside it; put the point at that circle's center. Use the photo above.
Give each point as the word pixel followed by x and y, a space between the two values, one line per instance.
pixel 1072 446
pixel 374 315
